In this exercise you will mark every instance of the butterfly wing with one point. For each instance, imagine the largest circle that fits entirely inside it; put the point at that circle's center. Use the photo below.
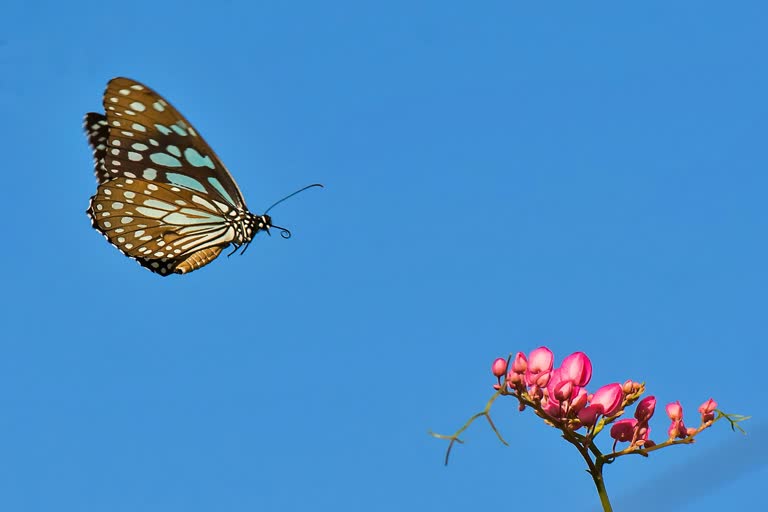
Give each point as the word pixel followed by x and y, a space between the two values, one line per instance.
pixel 98 133
pixel 167 229
pixel 150 139
pixel 148 161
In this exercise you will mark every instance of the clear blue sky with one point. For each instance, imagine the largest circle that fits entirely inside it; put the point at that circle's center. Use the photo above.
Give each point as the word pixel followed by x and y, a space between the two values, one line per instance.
pixel 499 176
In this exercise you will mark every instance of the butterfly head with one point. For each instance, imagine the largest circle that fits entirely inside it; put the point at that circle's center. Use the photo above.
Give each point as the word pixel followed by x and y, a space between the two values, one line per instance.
pixel 264 223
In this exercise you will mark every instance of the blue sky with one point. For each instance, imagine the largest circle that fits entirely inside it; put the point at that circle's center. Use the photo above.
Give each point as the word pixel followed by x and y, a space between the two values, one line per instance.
pixel 498 176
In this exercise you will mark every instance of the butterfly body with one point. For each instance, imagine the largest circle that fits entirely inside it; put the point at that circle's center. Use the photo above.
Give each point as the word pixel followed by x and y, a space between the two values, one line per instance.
pixel 164 198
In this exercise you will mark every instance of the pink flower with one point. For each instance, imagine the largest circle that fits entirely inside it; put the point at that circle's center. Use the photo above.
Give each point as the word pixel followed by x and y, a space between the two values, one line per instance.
pixel 540 362
pixel 577 368
pixel 675 411
pixel 552 408
pixel 499 367
pixel 535 392
pixel 520 363
pixel 541 380
pixel 609 397
pixel 558 388
pixel 708 406
pixel 707 410
pixel 563 391
pixel 579 400
pixel 588 415
pixel 645 408
pixel 642 436
pixel 513 379
pixel 677 430
pixel 623 430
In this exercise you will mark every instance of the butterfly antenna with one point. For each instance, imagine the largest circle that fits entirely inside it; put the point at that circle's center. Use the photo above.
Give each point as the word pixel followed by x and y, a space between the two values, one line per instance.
pixel 287 197
pixel 285 233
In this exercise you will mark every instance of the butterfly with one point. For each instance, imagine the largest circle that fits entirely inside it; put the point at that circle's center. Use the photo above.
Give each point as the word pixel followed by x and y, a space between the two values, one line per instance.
pixel 164 198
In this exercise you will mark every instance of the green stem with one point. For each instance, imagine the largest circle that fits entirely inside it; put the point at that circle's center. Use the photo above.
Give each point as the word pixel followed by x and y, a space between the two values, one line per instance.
pixel 597 477
pixel 454 438
pixel 584 445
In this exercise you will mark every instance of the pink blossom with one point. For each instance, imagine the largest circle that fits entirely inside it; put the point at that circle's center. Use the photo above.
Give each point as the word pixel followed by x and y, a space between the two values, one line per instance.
pixel 536 392
pixel 588 415
pixel 642 435
pixel 520 363
pixel 540 360
pixel 577 368
pixel 540 363
pixel 499 367
pixel 555 378
pixel 707 410
pixel 675 411
pixel 708 406
pixel 677 430
pixel 555 384
pixel 579 400
pixel 541 380
pixel 552 408
pixel 609 397
pixel 513 379
pixel 623 430
pixel 645 408
pixel 563 391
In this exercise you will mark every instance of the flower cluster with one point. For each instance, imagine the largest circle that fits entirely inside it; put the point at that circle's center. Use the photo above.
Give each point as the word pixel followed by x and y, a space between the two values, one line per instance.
pixel 560 396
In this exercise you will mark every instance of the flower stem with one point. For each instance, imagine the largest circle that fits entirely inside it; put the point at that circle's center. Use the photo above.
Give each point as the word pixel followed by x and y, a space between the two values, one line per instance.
pixel 597 476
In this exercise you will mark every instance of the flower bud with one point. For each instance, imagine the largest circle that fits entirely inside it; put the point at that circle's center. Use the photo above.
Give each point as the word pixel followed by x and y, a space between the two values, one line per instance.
pixel 520 363
pixel 513 379
pixel 535 392
pixel 499 367
pixel 708 406
pixel 707 410
pixel 645 408
pixel 675 411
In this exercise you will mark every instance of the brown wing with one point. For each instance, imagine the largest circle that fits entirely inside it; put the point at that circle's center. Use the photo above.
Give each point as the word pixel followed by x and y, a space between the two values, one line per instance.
pixel 96 129
pixel 165 228
pixel 149 139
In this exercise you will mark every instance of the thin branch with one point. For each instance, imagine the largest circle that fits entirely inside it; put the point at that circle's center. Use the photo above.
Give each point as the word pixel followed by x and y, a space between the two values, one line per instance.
pixel 454 438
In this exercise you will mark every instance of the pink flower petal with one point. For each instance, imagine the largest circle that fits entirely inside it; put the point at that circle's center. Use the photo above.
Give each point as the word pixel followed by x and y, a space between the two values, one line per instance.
pixel 610 397
pixel 623 430
pixel 645 408
pixel 577 368
pixel 675 411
